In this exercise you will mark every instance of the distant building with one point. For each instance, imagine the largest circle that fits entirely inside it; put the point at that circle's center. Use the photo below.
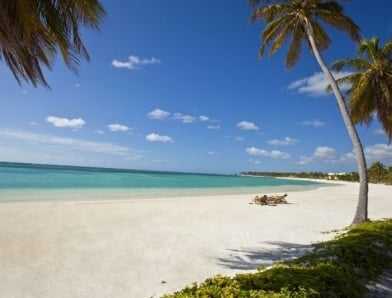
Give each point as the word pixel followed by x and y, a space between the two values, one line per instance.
pixel 335 176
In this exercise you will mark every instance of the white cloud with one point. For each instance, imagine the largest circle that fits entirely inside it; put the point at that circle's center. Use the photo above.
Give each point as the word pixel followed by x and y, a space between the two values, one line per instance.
pixel 379 131
pixel 262 152
pixel 347 157
pixel 279 154
pixel 285 142
pixel 247 125
pixel 373 153
pixel 215 127
pixel 64 122
pixel 314 123
pixel 304 160
pixel 254 161
pixel 239 138
pixel 256 151
pixel 213 153
pixel 74 144
pixel 321 153
pixel 118 127
pixel 153 137
pixel 296 84
pixel 324 152
pixel 158 114
pixel 314 85
pixel 161 115
pixel 379 152
pixel 184 118
pixel 134 62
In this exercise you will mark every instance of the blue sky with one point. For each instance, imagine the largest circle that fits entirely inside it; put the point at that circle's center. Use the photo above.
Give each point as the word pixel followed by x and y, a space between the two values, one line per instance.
pixel 177 85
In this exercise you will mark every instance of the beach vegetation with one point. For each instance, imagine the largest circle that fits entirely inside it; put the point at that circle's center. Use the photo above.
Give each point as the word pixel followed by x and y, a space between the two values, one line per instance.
pixel 389 175
pixel 32 32
pixel 299 22
pixel 370 84
pixel 343 267
pixel 377 172
pixel 351 176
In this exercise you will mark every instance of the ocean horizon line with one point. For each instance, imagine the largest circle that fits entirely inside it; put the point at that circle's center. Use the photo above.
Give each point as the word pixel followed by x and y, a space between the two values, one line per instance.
pixel 107 169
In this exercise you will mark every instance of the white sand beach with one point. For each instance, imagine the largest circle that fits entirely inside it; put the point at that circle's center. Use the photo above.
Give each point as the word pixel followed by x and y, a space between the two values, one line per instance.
pixel 144 248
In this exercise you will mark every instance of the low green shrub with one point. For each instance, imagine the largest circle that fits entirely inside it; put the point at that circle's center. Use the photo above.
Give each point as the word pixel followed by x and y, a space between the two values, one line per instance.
pixel 337 268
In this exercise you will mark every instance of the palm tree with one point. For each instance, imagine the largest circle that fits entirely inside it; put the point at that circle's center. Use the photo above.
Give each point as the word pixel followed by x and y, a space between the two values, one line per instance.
pixel 370 91
pixel 377 172
pixel 31 33
pixel 388 179
pixel 297 20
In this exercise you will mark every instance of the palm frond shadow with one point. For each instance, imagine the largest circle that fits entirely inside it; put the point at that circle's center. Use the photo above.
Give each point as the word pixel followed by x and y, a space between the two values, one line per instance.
pixel 271 252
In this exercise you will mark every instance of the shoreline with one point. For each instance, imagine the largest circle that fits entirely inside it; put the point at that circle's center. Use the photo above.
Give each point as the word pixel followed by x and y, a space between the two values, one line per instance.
pixel 126 194
pixel 145 248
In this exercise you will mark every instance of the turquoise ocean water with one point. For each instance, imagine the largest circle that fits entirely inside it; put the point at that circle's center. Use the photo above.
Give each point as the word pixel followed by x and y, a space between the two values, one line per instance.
pixel 32 182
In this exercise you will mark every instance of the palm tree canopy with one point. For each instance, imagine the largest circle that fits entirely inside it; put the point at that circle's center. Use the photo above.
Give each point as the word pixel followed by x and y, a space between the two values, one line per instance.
pixel 377 172
pixel 32 31
pixel 291 19
pixel 370 91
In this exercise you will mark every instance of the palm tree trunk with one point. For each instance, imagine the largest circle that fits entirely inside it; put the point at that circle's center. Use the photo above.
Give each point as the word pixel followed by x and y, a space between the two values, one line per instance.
pixel 361 213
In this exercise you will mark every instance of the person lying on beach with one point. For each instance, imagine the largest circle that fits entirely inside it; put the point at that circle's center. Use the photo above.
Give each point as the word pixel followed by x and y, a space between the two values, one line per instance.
pixel 265 200
pixel 279 199
pixel 260 200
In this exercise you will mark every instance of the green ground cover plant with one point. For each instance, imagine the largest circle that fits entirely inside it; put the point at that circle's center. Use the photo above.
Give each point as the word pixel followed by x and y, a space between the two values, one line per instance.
pixel 337 268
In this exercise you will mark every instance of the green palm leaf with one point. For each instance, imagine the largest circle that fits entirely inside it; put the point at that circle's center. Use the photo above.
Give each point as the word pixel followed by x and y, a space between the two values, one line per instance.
pixel 371 91
pixel 32 31
pixel 285 19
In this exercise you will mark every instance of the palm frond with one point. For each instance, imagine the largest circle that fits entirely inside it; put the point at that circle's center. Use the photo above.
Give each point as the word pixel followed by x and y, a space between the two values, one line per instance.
pixel 371 91
pixel 285 29
pixel 255 3
pixel 384 107
pixel 385 99
pixel 31 33
pixel 271 31
pixel 358 64
pixel 294 51
pixel 368 49
pixel 332 13
pixel 346 81
pixel 386 51
pixel 267 13
pixel 321 37
pixel 361 102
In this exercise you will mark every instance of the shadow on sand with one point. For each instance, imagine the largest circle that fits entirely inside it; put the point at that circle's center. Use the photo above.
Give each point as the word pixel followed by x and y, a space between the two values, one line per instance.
pixel 271 252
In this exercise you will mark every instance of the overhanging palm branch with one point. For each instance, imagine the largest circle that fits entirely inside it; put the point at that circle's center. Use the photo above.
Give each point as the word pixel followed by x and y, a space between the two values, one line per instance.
pixel 32 31
pixel 370 94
